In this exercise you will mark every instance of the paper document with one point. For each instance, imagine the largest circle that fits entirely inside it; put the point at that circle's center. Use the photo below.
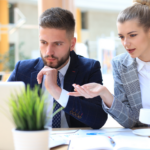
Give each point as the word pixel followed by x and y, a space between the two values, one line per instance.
pixel 123 141
pixel 115 131
pixel 60 137
pixel 126 142
pixel 57 140
pixel 64 132
pixel 90 143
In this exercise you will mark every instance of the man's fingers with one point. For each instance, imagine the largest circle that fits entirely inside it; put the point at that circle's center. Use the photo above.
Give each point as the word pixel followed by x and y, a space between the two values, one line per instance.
pixel 46 71
pixel 40 76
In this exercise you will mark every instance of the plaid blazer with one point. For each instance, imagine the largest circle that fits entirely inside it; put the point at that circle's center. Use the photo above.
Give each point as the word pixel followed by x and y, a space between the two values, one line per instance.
pixel 127 95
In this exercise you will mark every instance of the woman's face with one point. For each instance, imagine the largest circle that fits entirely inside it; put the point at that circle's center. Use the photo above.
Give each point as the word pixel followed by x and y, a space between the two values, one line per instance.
pixel 135 39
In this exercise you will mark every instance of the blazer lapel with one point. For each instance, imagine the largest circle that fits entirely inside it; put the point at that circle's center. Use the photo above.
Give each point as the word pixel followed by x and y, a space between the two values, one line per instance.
pixel 34 74
pixel 71 72
pixel 129 76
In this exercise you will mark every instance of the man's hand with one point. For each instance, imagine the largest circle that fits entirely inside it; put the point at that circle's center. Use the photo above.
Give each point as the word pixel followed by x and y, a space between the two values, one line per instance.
pixel 50 81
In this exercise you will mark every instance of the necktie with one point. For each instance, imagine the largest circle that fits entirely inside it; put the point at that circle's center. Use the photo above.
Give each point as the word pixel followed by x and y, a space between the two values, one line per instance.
pixel 57 118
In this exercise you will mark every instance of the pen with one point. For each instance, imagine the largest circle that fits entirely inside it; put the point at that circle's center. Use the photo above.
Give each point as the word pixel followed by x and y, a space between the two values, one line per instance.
pixel 112 141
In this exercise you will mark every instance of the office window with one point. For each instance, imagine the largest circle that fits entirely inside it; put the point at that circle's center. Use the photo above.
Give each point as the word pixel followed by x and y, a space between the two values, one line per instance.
pixel 11 12
pixel 11 56
pixel 84 20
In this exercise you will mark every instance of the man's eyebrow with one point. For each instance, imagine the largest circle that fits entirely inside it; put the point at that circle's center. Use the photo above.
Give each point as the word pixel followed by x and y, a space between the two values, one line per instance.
pixel 129 32
pixel 42 40
pixel 53 41
pixel 58 42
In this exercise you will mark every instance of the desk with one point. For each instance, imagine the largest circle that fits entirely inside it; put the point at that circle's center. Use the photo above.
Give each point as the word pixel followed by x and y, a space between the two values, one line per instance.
pixel 63 129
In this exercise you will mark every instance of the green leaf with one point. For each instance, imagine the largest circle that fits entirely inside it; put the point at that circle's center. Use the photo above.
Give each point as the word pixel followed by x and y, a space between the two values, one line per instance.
pixel 58 110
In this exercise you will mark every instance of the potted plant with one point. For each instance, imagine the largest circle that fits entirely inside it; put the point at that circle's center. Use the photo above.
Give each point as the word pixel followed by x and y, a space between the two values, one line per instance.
pixel 29 115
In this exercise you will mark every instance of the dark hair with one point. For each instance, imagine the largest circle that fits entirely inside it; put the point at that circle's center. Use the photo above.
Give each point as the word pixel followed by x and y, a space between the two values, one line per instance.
pixel 139 11
pixel 58 18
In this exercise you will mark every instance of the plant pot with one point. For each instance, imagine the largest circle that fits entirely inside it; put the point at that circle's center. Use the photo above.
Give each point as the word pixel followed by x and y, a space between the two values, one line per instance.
pixel 31 140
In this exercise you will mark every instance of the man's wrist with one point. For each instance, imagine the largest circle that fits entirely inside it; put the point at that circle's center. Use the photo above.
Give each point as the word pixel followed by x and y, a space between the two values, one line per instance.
pixel 55 92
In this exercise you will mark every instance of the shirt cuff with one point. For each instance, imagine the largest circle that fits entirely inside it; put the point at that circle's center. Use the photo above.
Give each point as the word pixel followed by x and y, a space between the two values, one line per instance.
pixel 106 106
pixel 63 99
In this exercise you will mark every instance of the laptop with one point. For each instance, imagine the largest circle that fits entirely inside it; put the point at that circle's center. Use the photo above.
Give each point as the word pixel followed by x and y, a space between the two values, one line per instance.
pixel 6 126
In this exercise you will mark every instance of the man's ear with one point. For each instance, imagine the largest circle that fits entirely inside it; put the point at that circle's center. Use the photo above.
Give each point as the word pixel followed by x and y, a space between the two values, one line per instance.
pixel 73 43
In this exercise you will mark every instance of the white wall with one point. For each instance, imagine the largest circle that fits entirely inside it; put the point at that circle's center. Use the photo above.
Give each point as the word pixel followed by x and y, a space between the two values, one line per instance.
pixel 109 83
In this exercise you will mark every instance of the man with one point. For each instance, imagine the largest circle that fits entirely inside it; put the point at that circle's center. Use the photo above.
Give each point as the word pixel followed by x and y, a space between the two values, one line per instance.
pixel 59 67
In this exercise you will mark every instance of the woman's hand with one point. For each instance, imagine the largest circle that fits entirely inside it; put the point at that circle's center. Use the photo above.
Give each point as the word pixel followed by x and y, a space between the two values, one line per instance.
pixel 89 90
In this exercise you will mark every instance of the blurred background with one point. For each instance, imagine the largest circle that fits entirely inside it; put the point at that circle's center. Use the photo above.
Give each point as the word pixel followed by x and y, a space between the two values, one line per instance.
pixel 96 32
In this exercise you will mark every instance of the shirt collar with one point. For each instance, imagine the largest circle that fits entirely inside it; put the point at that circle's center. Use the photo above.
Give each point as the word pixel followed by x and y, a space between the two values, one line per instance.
pixel 65 68
pixel 140 64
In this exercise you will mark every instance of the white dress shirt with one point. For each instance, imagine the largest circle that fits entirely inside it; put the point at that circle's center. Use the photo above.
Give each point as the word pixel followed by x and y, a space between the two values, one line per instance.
pixel 63 99
pixel 143 69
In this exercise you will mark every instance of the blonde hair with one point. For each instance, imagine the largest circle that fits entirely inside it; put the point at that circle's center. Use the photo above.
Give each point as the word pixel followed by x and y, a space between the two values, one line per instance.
pixel 143 2
pixel 140 11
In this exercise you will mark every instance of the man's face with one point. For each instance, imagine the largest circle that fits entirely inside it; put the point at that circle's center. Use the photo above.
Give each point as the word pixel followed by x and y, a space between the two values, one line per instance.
pixel 55 46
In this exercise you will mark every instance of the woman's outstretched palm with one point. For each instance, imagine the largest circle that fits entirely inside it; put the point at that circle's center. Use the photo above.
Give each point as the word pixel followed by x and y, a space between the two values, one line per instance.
pixel 89 90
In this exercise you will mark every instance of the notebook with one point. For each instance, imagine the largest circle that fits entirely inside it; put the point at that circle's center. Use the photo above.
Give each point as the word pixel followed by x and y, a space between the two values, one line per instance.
pixel 102 142
pixel 6 88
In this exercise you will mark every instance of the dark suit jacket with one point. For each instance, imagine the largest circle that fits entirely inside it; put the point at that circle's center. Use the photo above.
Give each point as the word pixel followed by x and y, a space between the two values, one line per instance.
pixel 80 112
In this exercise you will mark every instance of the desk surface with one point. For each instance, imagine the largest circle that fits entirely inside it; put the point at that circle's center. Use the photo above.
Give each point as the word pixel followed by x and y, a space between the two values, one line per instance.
pixel 63 129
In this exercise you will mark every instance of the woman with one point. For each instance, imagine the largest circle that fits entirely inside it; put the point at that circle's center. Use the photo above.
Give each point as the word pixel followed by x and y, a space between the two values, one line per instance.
pixel 131 70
